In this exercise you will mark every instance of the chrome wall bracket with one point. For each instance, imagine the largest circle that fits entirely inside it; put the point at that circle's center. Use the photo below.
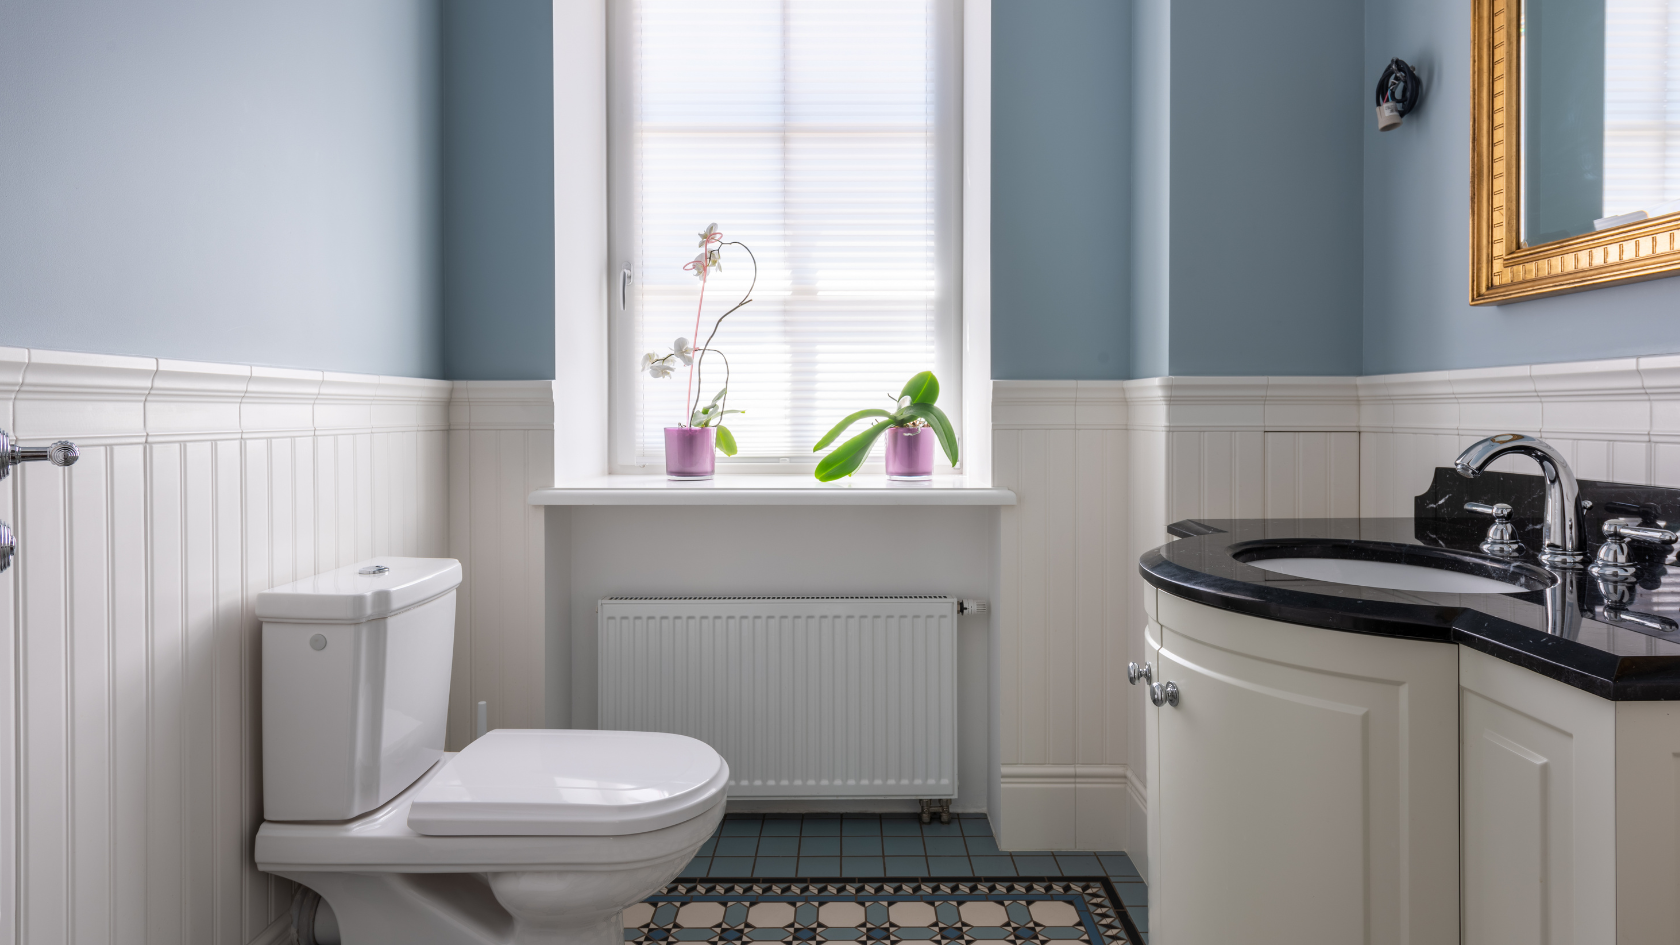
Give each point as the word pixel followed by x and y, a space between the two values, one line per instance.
pixel 62 453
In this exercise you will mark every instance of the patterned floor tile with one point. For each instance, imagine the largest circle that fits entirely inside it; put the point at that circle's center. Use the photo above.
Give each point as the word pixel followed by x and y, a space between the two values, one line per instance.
pixel 951 911
pixel 895 845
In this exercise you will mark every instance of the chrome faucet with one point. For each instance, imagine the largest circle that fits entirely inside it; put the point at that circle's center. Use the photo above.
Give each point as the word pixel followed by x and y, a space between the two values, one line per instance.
pixel 1560 540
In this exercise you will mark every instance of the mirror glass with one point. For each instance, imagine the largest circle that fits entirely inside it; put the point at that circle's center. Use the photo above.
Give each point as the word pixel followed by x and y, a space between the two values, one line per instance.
pixel 1600 100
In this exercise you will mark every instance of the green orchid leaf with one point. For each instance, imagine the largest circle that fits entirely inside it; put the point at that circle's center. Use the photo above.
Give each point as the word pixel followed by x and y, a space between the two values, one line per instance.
pixel 719 395
pixel 726 440
pixel 840 427
pixel 941 425
pixel 922 389
pixel 848 456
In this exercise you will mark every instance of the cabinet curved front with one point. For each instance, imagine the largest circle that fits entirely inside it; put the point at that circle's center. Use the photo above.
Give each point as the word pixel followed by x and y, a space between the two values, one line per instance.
pixel 1305 787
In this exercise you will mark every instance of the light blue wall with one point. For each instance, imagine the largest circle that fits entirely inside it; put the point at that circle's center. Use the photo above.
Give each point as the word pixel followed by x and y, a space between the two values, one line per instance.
pixel 251 182
pixel 1417 205
pixel 1060 188
pixel 1248 187
pixel 498 196
pixel 1152 223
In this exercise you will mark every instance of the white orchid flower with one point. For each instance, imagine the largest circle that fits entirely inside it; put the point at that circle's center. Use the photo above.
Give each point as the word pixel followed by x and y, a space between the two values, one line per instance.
pixel 682 349
pixel 657 367
pixel 710 234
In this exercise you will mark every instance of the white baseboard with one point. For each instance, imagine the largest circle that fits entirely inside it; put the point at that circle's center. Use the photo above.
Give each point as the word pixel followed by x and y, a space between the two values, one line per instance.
pixel 1064 807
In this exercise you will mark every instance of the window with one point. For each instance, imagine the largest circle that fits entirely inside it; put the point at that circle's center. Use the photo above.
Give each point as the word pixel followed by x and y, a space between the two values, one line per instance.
pixel 825 135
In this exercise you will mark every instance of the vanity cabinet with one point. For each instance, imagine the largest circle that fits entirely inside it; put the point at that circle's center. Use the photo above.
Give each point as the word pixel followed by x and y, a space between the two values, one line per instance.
pixel 1571 812
pixel 1305 787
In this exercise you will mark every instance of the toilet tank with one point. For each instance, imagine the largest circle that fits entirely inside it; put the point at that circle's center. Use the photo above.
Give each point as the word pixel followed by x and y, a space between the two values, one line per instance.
pixel 355 684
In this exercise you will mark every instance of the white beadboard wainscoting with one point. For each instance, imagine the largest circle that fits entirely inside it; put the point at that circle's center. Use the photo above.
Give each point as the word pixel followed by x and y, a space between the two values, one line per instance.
pixel 130 785
pixel 1099 469
pixel 501 449
pixel 1615 420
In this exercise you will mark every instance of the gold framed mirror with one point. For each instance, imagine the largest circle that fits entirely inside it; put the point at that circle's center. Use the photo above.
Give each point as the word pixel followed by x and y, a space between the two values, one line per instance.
pixel 1547 241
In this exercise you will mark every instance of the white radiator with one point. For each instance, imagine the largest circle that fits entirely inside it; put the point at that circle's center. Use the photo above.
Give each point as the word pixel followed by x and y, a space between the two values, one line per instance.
pixel 805 697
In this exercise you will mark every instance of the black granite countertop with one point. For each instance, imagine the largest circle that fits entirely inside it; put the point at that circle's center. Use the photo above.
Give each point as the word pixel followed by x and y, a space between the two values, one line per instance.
pixel 1605 639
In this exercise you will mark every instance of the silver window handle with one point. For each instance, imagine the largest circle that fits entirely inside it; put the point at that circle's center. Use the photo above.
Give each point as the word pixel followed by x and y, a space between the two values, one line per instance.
pixel 624 279
pixel 62 453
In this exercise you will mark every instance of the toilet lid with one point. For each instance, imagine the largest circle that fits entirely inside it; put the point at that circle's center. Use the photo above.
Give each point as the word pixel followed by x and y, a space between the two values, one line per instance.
pixel 569 782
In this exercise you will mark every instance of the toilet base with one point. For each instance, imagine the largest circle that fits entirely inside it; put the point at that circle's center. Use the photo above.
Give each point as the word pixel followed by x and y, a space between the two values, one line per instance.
pixel 571 907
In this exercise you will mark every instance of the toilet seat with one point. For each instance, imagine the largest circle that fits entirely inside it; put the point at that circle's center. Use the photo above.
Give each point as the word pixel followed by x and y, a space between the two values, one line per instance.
pixel 383 840
pixel 568 782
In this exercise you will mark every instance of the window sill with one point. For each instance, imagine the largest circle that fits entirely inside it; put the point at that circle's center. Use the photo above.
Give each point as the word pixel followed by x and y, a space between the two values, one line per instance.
pixel 768 490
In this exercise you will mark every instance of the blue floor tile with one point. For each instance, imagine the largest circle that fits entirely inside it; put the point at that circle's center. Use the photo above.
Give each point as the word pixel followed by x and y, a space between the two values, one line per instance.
pixel 741 828
pixel 697 867
pixel 821 828
pixel 949 866
pixel 707 847
pixel 861 866
pixel 731 866
pixel 819 866
pixel 937 829
pixel 902 846
pixel 907 866
pixel 982 846
pixel 1077 864
pixel 1141 917
pixel 901 827
pixel 860 846
pixel 993 865
pixel 1036 865
pixel 781 827
pixel 775 866
pixel 819 846
pixel 1134 895
pixel 945 846
pixel 861 828
pixel 736 846
pixel 1118 864
pixel 976 826
pixel 778 846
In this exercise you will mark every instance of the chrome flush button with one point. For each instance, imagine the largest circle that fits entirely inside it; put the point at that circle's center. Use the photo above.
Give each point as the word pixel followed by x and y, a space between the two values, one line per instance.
pixel 373 569
pixel 318 642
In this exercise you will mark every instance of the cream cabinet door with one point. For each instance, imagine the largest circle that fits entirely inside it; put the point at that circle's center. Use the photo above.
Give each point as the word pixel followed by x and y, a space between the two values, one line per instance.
pixel 1305 786
pixel 1539 814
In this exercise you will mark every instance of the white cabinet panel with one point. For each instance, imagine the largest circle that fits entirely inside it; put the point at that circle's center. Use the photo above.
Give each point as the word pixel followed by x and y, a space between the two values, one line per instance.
pixel 1647 823
pixel 1538 795
pixel 1305 785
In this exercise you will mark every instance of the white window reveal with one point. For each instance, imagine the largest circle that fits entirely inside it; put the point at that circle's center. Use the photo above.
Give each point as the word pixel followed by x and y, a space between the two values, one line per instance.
pixel 826 136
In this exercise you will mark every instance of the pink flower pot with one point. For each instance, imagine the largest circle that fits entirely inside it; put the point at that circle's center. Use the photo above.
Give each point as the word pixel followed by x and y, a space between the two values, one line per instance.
pixel 910 453
pixel 689 452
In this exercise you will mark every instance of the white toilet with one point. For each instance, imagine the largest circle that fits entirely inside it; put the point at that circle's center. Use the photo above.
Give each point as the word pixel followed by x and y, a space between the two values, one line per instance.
pixel 526 836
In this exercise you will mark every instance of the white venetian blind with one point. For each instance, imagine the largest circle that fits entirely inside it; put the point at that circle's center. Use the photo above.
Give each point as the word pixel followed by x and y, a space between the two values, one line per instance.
pixel 1641 106
pixel 819 133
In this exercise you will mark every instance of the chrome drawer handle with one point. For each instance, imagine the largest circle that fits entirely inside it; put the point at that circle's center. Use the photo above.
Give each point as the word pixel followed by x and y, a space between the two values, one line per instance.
pixel 1164 694
pixel 1134 672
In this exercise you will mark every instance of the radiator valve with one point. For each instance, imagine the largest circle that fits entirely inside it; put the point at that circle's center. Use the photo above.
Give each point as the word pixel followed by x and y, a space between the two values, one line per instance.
pixel 940 808
pixel 971 606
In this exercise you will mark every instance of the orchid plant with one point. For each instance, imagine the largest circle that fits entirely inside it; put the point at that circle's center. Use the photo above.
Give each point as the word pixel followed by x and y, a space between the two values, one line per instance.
pixel 913 407
pixel 663 366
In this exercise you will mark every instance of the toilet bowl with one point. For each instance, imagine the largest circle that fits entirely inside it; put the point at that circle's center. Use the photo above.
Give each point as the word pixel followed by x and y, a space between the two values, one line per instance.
pixel 526 836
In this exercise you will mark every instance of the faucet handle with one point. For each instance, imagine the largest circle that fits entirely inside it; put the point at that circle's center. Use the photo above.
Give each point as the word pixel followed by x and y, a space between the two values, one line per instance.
pixel 1501 535
pixel 1611 563
pixel 1619 531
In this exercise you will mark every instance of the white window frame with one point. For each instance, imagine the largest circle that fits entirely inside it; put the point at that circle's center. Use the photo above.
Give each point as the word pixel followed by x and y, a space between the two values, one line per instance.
pixel 586 277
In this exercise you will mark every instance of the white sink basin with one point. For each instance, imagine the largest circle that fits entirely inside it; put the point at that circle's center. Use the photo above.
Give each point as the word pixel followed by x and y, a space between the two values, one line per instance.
pixel 1400 577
